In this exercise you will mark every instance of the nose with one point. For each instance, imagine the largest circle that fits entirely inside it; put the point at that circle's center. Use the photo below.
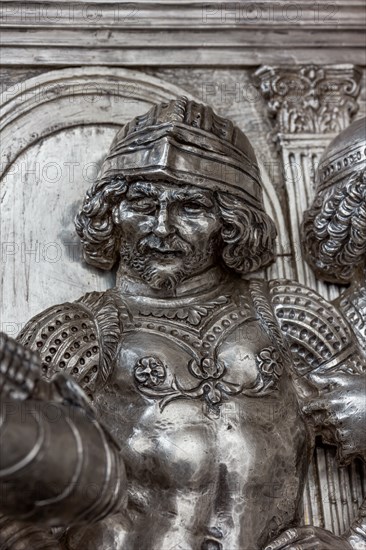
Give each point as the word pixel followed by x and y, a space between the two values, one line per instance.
pixel 162 226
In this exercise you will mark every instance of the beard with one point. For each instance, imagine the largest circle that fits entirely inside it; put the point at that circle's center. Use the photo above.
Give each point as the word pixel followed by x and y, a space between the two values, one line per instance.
pixel 164 263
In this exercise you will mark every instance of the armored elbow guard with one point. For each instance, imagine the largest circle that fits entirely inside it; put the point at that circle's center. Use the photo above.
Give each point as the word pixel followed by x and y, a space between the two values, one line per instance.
pixel 57 465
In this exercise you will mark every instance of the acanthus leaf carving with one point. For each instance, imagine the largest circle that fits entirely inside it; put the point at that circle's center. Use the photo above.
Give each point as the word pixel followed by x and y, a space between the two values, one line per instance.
pixel 309 98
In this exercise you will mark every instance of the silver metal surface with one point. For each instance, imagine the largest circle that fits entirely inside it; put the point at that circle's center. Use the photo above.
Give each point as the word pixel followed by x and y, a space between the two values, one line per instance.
pixel 334 238
pixel 53 451
pixel 214 386
pixel 334 227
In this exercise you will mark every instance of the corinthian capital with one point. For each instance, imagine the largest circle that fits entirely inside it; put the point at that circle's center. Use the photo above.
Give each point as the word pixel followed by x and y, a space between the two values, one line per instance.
pixel 310 99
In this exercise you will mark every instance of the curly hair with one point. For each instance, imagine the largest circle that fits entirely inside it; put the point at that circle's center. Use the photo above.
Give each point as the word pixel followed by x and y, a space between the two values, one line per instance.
pixel 94 224
pixel 248 234
pixel 334 230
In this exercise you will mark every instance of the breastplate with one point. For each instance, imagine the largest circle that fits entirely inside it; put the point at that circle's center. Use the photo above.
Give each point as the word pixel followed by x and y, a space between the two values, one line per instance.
pixel 203 407
pixel 209 348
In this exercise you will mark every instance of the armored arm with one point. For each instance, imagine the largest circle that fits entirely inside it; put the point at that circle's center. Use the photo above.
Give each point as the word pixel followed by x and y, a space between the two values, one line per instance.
pixel 79 339
pixel 58 465
pixel 341 411
pixel 328 367
pixel 353 304
pixel 330 371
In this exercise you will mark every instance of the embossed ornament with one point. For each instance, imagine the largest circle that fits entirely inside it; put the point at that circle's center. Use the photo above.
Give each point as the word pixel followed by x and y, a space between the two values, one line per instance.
pixel 150 371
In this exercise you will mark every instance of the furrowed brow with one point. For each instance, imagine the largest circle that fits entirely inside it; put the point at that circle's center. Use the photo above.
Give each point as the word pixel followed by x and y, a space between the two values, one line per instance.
pixel 141 190
pixel 194 196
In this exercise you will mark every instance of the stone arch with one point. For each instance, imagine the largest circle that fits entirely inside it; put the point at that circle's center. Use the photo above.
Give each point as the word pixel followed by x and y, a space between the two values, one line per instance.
pixel 63 115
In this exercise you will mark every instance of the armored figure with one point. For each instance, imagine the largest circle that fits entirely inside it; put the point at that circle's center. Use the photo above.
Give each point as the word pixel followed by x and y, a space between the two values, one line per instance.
pixel 334 239
pixel 203 377
pixel 334 228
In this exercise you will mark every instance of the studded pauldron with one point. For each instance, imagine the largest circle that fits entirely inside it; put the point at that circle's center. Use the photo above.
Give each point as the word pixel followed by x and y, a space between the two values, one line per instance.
pixel 78 339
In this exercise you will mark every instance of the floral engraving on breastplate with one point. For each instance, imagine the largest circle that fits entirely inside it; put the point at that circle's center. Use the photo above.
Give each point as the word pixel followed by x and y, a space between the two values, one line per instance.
pixel 270 368
pixel 209 374
pixel 151 379
pixel 149 372
pixel 213 386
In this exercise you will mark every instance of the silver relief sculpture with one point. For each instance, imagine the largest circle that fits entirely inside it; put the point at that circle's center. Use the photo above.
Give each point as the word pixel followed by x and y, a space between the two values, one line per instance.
pixel 334 228
pixel 334 241
pixel 207 388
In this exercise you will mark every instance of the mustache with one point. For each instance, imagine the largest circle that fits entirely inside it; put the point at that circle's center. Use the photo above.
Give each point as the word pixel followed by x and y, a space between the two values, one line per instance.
pixel 171 243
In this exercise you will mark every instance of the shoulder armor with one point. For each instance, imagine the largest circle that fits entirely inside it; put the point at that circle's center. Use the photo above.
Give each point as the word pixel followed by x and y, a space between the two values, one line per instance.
pixel 325 353
pixel 259 292
pixel 353 305
pixel 79 339
pixel 319 336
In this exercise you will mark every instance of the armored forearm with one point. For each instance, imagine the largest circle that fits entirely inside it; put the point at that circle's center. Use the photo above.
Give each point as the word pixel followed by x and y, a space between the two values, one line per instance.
pixel 58 466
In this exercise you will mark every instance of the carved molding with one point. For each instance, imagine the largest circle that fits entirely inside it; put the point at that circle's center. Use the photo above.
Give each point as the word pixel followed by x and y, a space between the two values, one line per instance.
pixel 310 99
pixel 308 106
pixel 185 32
pixel 45 104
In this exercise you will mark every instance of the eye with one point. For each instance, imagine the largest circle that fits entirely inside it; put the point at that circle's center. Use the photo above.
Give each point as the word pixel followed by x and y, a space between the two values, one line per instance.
pixel 193 207
pixel 143 205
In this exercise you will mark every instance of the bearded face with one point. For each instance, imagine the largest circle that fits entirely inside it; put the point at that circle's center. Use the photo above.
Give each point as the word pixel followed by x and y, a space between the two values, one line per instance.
pixel 168 233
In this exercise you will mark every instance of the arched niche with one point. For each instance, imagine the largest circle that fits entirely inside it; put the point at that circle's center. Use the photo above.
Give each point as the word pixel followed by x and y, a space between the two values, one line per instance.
pixel 55 130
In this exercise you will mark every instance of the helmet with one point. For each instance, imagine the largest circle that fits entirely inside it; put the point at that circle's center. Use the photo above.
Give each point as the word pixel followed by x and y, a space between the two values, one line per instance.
pixel 186 143
pixel 345 154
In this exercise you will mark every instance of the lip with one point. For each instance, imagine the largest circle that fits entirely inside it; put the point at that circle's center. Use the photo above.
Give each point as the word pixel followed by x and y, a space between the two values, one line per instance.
pixel 166 252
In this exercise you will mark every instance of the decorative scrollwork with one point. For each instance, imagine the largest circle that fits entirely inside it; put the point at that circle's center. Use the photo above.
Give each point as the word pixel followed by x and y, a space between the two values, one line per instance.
pixel 270 367
pixel 151 378
pixel 191 314
pixel 308 98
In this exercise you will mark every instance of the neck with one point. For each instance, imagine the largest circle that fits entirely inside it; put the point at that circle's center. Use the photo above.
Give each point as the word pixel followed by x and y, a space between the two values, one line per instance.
pixel 132 285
